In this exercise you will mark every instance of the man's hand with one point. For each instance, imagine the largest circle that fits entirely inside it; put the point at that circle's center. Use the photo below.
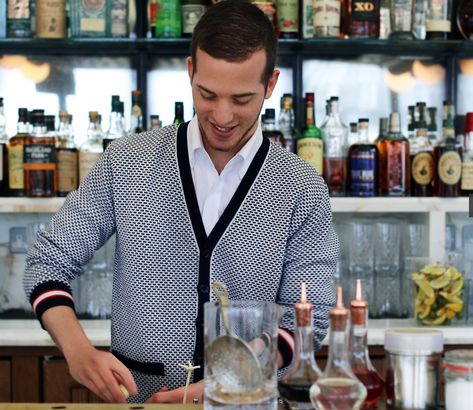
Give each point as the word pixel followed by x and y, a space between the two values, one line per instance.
pixel 102 373
pixel 194 391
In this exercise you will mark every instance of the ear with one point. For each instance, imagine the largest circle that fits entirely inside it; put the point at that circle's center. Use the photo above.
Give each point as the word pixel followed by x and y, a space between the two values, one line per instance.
pixel 190 67
pixel 271 84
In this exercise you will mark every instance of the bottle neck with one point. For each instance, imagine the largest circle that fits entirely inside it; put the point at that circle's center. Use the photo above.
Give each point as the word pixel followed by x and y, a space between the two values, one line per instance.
pixel 304 343
pixel 310 117
pixel 116 125
pixel 94 133
pixel 338 357
pixel 22 127
pixel 269 125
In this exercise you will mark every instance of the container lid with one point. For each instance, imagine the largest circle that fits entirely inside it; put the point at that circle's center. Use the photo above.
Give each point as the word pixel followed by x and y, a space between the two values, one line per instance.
pixel 413 341
pixel 460 360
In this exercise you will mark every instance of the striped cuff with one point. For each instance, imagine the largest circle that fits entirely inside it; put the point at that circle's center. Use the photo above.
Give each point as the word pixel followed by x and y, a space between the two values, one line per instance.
pixel 286 346
pixel 48 295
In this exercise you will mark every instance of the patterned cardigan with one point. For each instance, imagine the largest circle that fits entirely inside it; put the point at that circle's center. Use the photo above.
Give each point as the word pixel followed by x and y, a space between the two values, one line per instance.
pixel 275 233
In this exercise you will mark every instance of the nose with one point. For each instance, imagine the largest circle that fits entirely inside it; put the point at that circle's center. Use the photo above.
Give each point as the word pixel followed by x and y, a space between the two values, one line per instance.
pixel 223 113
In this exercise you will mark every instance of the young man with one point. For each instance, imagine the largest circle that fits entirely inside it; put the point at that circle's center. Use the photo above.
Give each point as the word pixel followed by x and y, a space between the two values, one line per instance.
pixel 209 200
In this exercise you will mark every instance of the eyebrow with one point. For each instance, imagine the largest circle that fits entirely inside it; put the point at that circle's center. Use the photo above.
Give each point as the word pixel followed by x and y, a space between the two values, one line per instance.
pixel 242 95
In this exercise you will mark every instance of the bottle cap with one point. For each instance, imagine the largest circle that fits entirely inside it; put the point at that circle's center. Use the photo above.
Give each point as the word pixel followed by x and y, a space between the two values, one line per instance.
pixel 49 121
pixel 309 97
pixel 394 122
pixel 270 114
pixel 415 342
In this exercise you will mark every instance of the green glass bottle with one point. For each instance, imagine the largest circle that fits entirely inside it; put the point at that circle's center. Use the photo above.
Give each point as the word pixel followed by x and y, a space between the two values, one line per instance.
pixel 168 19
pixel 310 145
pixel 178 113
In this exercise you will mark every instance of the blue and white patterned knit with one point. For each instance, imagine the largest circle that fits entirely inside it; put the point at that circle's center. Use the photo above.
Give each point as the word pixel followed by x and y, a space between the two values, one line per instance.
pixel 275 233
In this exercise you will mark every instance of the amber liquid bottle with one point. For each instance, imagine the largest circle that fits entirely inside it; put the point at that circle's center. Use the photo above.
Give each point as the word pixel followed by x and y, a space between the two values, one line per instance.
pixel 67 156
pixel 394 161
pixel 448 157
pixel 360 18
pixel 360 359
pixel 15 155
pixel 39 160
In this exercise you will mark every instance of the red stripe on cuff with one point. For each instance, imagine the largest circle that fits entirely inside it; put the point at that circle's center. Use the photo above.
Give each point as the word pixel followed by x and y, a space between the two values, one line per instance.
pixel 50 294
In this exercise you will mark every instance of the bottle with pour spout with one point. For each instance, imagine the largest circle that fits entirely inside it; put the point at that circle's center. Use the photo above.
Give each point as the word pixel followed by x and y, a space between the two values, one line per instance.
pixel 303 371
pixel 360 360
pixel 338 388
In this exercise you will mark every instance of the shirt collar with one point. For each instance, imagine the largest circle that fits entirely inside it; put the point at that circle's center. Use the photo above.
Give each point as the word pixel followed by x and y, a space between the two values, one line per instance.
pixel 246 153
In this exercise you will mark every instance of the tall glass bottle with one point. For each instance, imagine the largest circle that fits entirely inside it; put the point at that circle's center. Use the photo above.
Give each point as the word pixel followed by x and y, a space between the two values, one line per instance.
pixel 467 161
pixel 286 122
pixel 39 159
pixel 288 18
pixel 310 144
pixel 394 161
pixel 270 130
pixel 334 133
pixel 119 18
pixel 360 358
pixel 3 153
pixel 303 371
pixel 168 19
pixel 178 113
pixel 362 164
pixel 421 159
pixel 116 129
pixel 191 12
pixel 448 157
pixel 438 19
pixel 66 156
pixel 16 144
pixel 136 118
pixel 327 18
pixel 338 388
pixel 91 150
pixel 18 18
pixel 361 18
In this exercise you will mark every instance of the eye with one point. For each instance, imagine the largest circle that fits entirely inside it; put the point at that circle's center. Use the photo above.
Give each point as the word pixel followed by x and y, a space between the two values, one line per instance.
pixel 242 102
pixel 207 97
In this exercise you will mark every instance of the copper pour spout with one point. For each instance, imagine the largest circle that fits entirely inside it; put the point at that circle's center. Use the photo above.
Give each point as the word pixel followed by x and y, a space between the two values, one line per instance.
pixel 339 314
pixel 303 308
pixel 358 306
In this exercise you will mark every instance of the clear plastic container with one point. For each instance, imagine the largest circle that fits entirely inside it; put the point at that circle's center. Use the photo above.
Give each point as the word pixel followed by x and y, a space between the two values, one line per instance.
pixel 458 374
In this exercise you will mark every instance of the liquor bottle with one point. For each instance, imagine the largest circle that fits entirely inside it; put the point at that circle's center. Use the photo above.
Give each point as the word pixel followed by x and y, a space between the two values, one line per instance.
pixel 288 18
pixel 66 156
pixel 438 19
pixel 338 388
pixel 119 18
pixel 152 6
pixel 18 19
pixel 155 122
pixel 3 153
pixel 335 133
pixel 286 122
pixel 419 17
pixel 16 144
pixel 327 18
pixel 394 161
pixel 310 145
pixel 432 131
pixel 383 130
pixel 303 371
pixel 39 159
pixel 91 150
pixel 191 12
pixel 168 19
pixel 270 130
pixel 421 159
pixel 448 157
pixel 308 30
pixel 361 18
pixel 136 118
pixel 467 161
pixel 178 113
pixel 51 18
pixel 384 19
pixel 465 18
pixel 360 359
pixel 116 129
pixel 363 164
pixel 89 19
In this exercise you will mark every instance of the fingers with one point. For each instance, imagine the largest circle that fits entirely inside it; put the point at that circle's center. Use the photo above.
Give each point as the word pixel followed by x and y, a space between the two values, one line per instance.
pixel 124 376
pixel 154 397
pixel 165 395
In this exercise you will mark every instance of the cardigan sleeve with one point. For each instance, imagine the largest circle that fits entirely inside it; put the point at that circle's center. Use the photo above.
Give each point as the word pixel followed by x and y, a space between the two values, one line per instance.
pixel 312 253
pixel 81 226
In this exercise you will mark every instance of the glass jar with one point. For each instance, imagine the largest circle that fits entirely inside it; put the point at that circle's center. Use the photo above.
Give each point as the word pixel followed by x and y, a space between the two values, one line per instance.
pixel 458 374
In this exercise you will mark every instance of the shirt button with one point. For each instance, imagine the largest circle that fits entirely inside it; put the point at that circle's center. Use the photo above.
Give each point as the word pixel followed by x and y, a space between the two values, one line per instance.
pixel 204 289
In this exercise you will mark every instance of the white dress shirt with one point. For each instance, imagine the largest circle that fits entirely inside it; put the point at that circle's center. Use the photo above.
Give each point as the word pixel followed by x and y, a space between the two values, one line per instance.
pixel 214 191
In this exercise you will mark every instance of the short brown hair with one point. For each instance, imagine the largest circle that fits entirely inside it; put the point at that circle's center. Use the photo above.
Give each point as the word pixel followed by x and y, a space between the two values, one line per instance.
pixel 233 30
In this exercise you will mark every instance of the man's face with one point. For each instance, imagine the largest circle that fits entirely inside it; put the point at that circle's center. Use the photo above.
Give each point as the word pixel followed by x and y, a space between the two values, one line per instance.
pixel 228 98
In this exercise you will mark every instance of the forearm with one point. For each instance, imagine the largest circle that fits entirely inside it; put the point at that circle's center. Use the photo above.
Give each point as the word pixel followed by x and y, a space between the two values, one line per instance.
pixel 65 330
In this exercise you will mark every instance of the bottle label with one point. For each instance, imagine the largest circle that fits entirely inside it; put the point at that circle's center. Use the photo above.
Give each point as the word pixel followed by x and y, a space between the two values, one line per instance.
pixel 396 166
pixel 438 25
pixel 168 19
pixel 119 18
pixel 467 176
pixel 86 162
pixel 326 13
pixel 39 157
pixel 18 9
pixel 450 167
pixel 288 21
pixel 423 168
pixel 363 173
pixel 92 16
pixel 15 167
pixel 312 151
pixel 191 14
pixel 66 171
pixel 308 30
pixel 363 10
pixel 51 19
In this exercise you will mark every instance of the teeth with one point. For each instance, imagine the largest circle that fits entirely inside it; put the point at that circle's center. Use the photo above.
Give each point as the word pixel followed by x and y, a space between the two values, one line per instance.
pixel 223 129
